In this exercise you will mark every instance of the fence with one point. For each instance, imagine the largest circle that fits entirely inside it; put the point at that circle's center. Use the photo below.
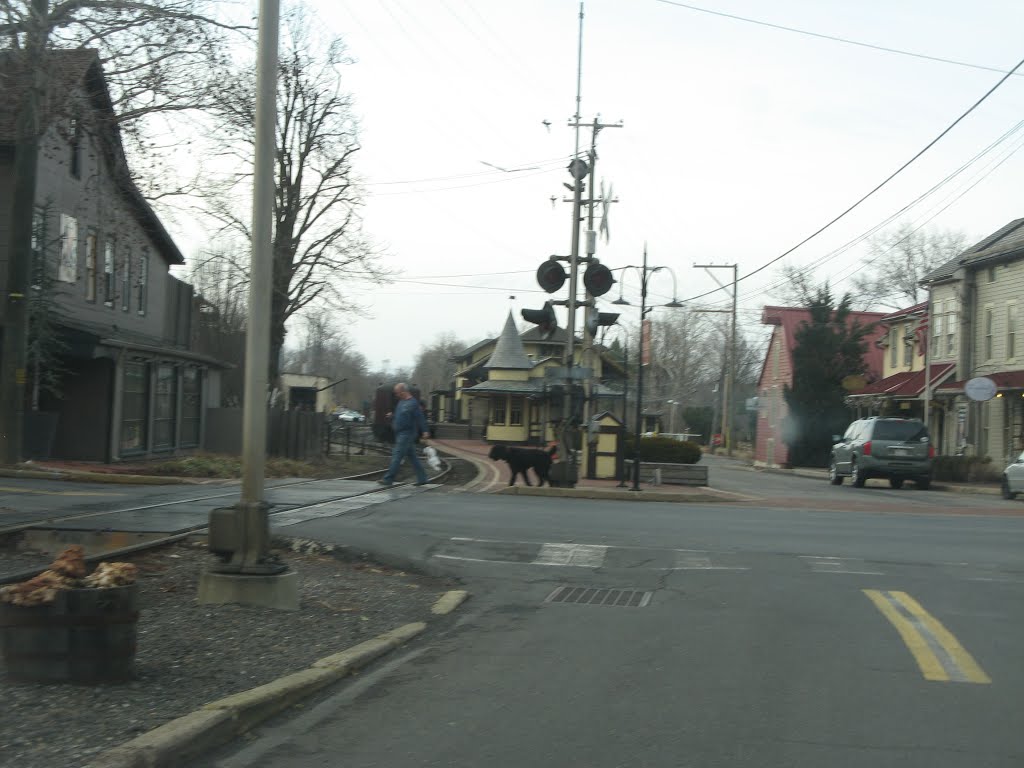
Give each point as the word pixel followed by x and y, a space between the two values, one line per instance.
pixel 290 434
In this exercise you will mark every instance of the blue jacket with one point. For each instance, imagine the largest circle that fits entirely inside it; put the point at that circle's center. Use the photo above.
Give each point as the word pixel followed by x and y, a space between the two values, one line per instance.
pixel 409 417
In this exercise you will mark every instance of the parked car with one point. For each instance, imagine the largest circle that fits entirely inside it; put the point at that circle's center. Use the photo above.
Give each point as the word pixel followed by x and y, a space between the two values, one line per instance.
pixel 897 449
pixel 349 416
pixel 1013 479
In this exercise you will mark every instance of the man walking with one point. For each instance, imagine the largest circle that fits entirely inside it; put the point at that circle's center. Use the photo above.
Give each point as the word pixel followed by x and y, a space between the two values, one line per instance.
pixel 407 421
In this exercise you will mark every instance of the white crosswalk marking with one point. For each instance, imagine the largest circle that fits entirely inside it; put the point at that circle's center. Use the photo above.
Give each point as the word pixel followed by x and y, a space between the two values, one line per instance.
pixel 579 555
pixel 689 560
pixel 822 564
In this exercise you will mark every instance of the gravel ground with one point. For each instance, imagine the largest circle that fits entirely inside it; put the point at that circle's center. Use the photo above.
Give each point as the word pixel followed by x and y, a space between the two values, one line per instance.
pixel 190 654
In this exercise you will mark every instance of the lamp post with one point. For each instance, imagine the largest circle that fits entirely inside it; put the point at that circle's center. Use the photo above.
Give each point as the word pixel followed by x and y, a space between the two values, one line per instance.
pixel 645 273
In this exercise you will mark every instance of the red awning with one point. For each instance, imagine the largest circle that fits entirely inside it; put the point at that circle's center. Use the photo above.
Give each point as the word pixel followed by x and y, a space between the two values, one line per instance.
pixel 1005 380
pixel 906 384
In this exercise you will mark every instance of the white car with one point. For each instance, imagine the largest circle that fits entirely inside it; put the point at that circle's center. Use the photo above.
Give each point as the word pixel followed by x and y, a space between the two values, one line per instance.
pixel 349 416
pixel 1013 478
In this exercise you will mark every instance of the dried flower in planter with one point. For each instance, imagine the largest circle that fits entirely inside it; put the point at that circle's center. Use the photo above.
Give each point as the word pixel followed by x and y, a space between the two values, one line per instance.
pixel 112 575
pixel 67 572
pixel 71 562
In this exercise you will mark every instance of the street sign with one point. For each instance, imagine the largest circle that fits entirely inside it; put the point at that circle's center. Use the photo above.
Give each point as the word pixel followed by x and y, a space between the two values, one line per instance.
pixel 980 388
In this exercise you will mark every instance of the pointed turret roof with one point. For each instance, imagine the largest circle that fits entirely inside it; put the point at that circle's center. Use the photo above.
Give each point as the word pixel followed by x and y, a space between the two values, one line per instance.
pixel 508 352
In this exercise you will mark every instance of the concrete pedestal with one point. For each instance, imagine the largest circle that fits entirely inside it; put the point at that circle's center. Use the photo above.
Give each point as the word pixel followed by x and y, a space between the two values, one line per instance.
pixel 280 591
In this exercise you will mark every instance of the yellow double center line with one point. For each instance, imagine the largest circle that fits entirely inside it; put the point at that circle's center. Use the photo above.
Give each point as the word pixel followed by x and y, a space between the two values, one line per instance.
pixel 937 652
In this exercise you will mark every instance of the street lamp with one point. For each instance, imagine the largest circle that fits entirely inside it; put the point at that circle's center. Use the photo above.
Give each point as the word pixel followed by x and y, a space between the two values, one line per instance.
pixel 645 273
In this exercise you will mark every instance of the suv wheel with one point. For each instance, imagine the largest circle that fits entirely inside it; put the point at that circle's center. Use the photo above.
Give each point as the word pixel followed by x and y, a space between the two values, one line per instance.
pixel 923 483
pixel 833 474
pixel 1005 488
pixel 856 477
pixel 896 482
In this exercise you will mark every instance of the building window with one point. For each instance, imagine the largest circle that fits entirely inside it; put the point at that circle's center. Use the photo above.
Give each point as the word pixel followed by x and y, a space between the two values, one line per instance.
pixel 142 286
pixel 908 344
pixel 76 148
pixel 515 412
pixel 988 333
pixel 1011 331
pixel 894 346
pixel 165 401
pixel 90 265
pixel 950 327
pixel 108 272
pixel 38 247
pixel 134 409
pixel 191 406
pixel 498 411
pixel 991 274
pixel 67 269
pixel 936 321
pixel 126 281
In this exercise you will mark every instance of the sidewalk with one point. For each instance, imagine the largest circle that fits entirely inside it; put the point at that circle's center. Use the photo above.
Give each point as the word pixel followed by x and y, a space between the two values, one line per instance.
pixel 591 489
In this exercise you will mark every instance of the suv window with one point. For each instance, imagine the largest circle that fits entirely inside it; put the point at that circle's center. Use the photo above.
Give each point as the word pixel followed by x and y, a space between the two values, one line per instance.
pixel 899 430
pixel 852 430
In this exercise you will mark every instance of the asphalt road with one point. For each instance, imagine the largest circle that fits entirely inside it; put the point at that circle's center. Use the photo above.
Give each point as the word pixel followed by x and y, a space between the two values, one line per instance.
pixel 808 626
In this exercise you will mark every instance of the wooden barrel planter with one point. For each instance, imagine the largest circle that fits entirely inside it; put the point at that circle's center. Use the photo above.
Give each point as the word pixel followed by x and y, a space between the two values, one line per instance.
pixel 84 636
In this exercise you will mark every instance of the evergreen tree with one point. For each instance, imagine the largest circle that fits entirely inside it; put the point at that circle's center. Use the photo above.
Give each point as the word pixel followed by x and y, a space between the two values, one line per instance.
pixel 828 348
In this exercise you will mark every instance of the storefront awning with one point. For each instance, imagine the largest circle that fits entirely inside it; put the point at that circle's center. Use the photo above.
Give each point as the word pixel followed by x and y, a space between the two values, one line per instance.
pixel 906 385
pixel 1005 381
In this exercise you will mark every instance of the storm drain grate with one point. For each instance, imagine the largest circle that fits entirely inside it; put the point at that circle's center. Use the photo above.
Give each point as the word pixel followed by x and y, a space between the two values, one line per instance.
pixel 619 598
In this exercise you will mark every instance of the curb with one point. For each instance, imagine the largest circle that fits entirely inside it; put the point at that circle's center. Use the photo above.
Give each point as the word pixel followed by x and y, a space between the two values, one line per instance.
pixel 811 474
pixel 613 495
pixel 181 741
pixel 97 477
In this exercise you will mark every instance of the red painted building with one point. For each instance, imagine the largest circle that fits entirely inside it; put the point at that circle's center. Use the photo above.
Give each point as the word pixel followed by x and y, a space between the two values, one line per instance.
pixel 777 374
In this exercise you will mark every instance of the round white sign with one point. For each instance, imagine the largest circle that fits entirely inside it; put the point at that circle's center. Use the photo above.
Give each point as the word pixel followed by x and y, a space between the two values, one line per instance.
pixel 980 388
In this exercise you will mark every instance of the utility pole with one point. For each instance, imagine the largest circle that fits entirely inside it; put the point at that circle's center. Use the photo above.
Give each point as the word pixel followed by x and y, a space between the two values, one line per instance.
pixel 591 247
pixel 14 349
pixel 728 395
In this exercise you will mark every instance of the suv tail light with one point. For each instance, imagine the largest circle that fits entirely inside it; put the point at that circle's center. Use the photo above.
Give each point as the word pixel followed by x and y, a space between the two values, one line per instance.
pixel 931 451
pixel 867 448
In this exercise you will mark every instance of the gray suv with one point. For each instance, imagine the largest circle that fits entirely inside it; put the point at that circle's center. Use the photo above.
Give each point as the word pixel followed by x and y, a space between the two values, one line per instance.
pixel 898 449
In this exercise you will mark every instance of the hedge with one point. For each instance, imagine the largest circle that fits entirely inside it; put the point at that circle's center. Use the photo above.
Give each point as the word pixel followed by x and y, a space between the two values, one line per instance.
pixel 664 450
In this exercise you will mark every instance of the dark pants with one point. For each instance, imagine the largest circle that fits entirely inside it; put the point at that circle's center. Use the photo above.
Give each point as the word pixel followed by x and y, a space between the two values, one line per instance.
pixel 405 448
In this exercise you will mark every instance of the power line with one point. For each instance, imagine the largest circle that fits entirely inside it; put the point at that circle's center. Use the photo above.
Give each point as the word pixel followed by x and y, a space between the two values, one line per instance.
pixel 475 174
pixel 834 38
pixel 504 179
pixel 817 263
pixel 889 178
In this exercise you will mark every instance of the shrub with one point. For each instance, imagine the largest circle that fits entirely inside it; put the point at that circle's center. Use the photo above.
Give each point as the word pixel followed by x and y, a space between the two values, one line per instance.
pixel 664 450
pixel 965 469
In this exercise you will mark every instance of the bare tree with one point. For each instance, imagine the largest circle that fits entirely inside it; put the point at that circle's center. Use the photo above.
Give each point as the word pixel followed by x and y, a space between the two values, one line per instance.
pixel 434 368
pixel 318 240
pixel 899 260
pixel 891 272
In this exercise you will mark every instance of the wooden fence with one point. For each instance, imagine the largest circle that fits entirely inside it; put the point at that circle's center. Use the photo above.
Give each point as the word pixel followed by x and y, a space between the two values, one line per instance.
pixel 290 434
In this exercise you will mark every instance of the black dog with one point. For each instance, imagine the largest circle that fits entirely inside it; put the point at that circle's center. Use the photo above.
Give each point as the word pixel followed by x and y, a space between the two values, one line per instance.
pixel 521 459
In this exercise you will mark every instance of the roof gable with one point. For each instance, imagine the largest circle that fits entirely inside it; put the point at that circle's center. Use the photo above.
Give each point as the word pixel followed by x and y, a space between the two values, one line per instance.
pixel 788 320
pixel 81 69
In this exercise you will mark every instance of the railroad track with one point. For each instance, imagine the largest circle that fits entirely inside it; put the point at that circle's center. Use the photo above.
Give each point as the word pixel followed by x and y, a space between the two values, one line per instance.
pixel 52 525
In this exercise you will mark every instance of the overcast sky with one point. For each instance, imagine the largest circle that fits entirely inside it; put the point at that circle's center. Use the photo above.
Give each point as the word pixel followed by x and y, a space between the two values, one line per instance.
pixel 738 141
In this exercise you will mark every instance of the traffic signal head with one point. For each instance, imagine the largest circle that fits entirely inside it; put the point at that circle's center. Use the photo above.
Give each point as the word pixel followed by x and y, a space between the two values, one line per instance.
pixel 597 320
pixel 543 318
pixel 550 276
pixel 598 279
